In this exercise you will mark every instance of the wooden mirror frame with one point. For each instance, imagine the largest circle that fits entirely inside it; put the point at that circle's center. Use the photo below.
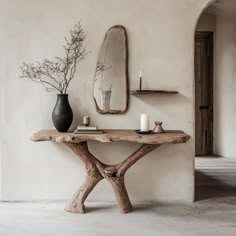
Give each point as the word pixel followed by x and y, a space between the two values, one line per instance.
pixel 126 74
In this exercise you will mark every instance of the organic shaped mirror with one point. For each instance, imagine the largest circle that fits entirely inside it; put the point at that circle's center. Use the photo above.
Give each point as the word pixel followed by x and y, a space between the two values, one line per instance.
pixel 111 77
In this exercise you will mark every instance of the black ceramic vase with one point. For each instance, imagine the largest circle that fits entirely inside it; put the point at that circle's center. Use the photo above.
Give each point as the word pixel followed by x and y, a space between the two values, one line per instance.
pixel 62 115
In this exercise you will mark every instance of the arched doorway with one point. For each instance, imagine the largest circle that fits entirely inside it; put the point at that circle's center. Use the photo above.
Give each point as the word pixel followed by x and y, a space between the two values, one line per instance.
pixel 215 101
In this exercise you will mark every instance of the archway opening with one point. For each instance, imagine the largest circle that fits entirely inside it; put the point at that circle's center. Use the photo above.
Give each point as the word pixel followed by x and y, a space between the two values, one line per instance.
pixel 215 100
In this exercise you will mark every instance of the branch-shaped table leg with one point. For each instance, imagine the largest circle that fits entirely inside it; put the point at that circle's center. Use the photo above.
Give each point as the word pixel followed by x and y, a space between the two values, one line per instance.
pixel 93 176
pixel 115 175
pixel 96 171
pixel 76 205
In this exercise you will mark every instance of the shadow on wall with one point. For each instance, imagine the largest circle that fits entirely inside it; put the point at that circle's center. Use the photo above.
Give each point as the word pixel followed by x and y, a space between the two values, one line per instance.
pixel 165 99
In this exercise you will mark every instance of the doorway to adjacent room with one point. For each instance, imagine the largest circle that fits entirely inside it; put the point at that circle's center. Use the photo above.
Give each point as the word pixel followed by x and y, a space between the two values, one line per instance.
pixel 203 93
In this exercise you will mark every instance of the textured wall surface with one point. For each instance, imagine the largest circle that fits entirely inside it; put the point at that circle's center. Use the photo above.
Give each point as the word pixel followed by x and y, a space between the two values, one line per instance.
pixel 160 34
pixel 224 87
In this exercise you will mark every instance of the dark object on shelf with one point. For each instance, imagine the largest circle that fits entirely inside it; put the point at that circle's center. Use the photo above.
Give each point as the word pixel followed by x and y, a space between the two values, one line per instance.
pixel 143 132
pixel 62 115
pixel 147 91
pixel 140 83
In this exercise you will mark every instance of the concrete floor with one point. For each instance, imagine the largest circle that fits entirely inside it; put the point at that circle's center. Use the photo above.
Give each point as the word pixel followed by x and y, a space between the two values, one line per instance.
pixel 215 177
pixel 209 217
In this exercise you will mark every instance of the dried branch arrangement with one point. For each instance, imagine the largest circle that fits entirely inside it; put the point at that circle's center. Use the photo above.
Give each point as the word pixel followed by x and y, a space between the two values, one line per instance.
pixel 56 75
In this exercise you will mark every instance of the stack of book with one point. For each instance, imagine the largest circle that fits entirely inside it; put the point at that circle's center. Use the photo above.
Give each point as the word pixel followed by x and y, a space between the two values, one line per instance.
pixel 88 130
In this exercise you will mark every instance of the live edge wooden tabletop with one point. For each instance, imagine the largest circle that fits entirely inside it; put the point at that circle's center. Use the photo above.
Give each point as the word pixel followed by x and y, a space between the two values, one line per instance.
pixel 97 170
pixel 113 135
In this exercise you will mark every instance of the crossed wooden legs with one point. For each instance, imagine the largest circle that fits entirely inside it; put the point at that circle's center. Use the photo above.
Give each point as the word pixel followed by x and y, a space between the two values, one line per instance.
pixel 96 171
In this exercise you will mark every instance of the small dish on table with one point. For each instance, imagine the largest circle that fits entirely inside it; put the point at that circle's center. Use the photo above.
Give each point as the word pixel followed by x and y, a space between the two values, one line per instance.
pixel 143 132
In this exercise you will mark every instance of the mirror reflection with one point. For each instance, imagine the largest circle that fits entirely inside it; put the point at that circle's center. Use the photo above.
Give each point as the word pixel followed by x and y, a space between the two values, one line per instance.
pixel 111 76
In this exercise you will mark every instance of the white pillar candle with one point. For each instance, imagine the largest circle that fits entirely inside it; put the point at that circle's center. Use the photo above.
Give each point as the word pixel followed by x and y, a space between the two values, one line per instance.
pixel 140 74
pixel 144 122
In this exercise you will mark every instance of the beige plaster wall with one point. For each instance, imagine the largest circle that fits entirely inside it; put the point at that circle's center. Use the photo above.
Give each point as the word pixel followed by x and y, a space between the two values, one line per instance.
pixel 160 43
pixel 224 87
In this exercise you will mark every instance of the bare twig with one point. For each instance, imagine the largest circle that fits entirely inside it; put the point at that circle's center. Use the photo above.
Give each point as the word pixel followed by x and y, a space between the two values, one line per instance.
pixel 100 68
pixel 56 75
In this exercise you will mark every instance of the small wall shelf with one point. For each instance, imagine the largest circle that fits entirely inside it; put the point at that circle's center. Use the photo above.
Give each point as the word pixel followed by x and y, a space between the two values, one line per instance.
pixel 148 91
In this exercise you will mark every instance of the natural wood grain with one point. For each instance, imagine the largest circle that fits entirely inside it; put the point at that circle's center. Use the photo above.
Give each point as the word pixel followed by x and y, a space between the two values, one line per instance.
pixel 96 170
pixel 169 136
pixel 93 176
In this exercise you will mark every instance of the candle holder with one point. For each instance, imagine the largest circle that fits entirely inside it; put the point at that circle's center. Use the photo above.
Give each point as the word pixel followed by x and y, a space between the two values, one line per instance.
pixel 140 83
pixel 158 128
pixel 144 125
pixel 143 132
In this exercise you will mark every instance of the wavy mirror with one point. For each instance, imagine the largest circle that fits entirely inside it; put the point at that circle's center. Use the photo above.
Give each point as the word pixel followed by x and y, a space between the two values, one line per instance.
pixel 111 87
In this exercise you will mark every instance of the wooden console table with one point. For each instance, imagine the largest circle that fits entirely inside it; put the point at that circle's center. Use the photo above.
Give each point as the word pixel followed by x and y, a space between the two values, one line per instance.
pixel 96 170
